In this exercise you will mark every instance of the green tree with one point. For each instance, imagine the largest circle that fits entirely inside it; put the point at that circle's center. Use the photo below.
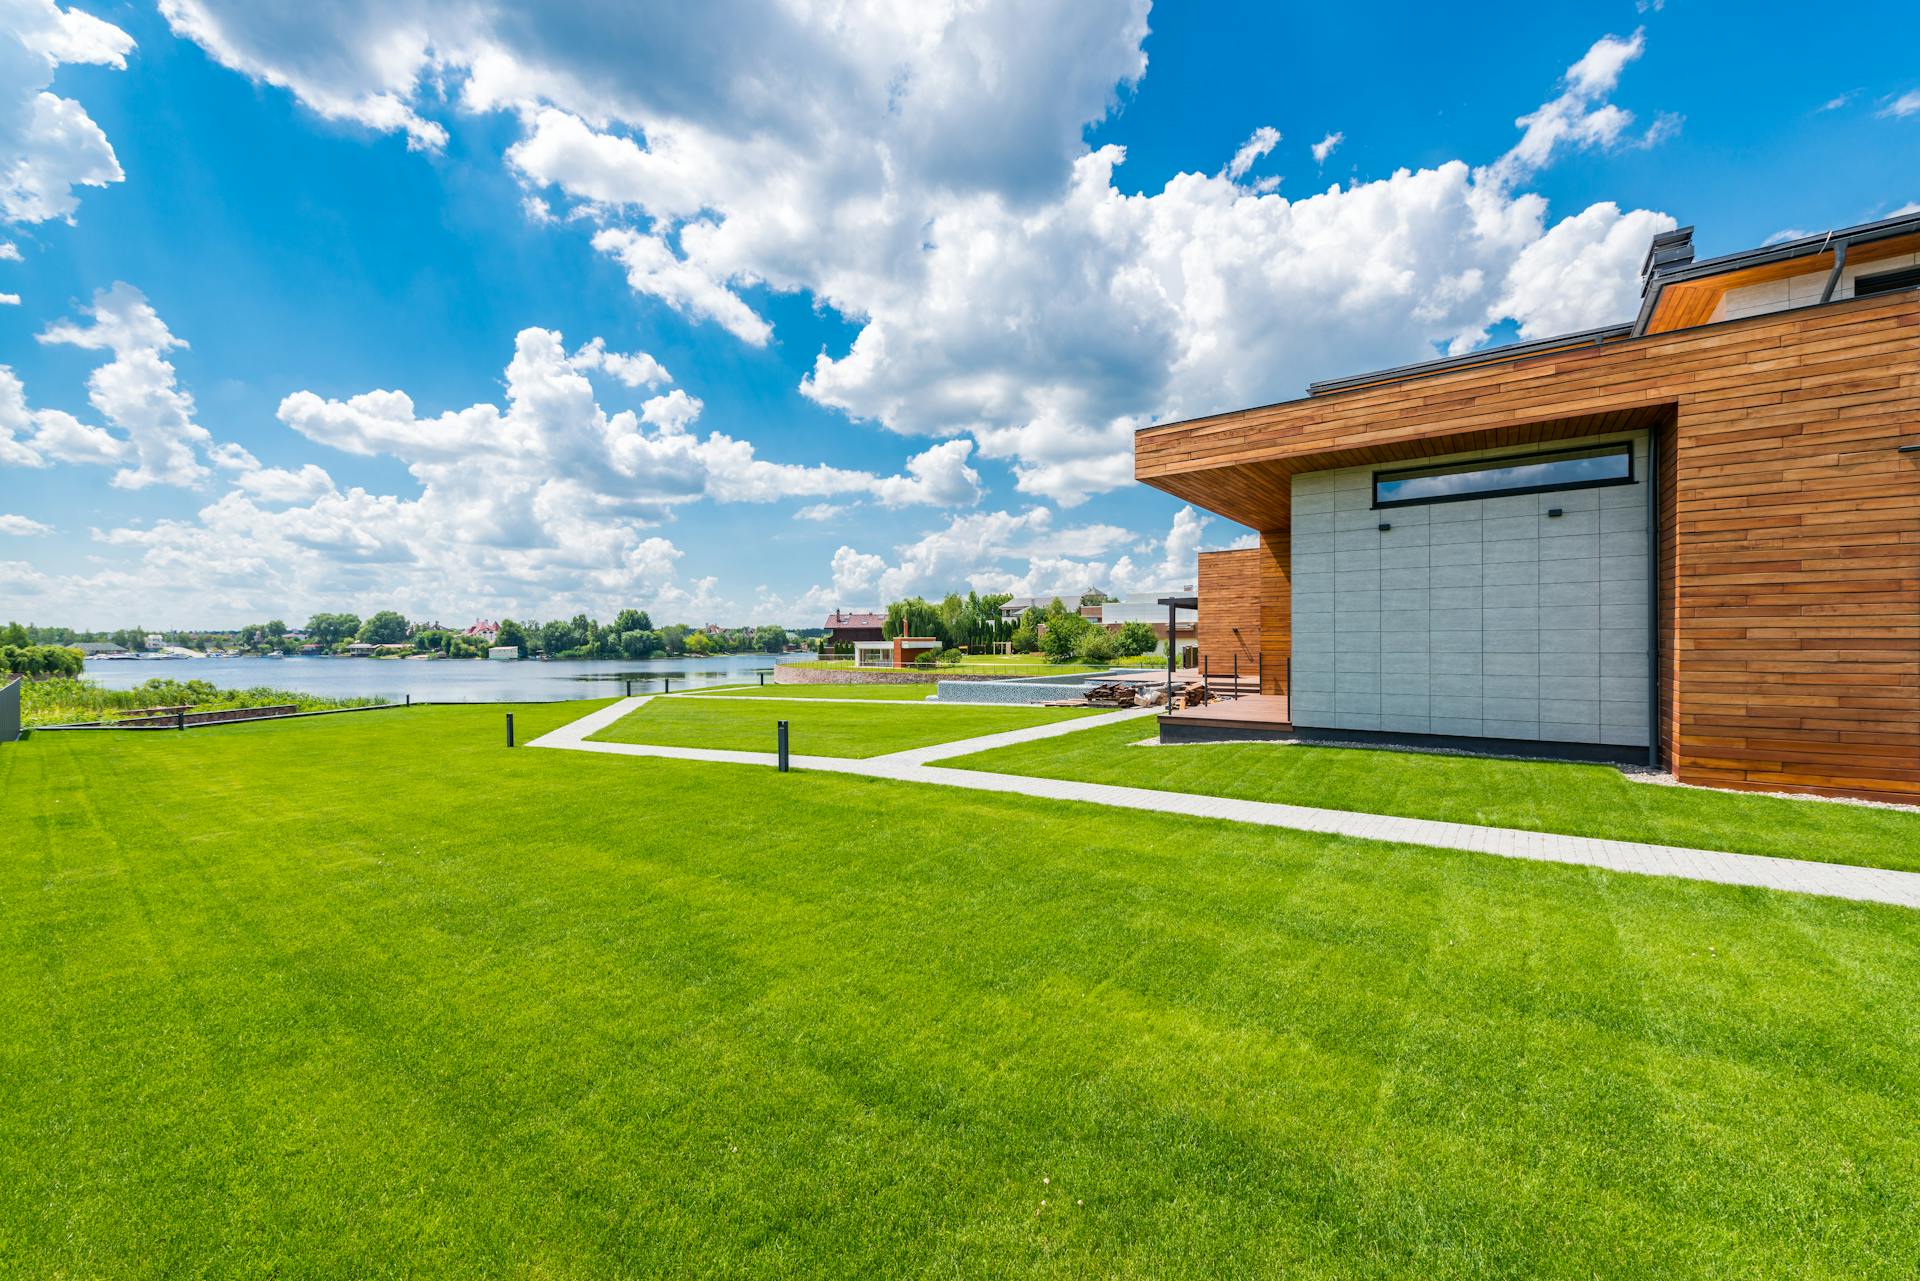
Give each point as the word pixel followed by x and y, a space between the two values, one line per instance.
pixel 770 639
pixel 914 617
pixel 511 633
pixel 15 636
pixel 1135 639
pixel 632 620
pixel 1095 645
pixel 384 628
pixel 329 630
pixel 1062 635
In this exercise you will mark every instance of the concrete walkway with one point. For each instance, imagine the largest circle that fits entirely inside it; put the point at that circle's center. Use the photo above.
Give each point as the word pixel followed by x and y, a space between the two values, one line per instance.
pixel 1833 880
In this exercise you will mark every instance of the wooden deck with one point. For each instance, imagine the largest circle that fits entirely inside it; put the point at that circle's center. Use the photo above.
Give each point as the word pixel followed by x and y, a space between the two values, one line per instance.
pixel 1248 719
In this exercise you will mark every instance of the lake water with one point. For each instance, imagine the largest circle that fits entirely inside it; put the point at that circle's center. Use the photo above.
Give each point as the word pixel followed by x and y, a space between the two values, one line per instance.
pixel 448 680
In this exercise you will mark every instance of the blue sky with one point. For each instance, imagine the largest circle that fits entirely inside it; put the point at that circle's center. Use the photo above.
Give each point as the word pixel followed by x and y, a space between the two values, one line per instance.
pixel 878 306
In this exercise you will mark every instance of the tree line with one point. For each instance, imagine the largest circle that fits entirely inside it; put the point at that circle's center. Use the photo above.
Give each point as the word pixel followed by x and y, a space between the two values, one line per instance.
pixel 1060 632
pixel 631 634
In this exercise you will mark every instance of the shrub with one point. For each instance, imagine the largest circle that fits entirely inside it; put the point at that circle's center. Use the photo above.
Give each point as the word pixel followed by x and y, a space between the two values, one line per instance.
pixel 1135 639
pixel 1096 646
pixel 40 661
pixel 925 658
pixel 1025 639
pixel 952 657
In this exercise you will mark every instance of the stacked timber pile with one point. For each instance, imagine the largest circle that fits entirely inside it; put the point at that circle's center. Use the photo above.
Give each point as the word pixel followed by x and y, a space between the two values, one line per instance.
pixel 1113 696
pixel 1190 694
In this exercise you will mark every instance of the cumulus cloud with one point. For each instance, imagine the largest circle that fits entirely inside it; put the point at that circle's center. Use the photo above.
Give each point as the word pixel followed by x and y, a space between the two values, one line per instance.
pixel 48 144
pixel 22 526
pixel 1324 148
pixel 1026 553
pixel 921 170
pixel 136 391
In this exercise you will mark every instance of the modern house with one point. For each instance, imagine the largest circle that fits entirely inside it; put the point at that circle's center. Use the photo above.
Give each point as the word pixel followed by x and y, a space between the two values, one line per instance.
pixel 1693 539
pixel 901 651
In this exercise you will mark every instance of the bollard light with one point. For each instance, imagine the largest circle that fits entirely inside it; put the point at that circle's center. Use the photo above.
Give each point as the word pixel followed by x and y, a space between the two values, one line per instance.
pixel 781 735
pixel 509 729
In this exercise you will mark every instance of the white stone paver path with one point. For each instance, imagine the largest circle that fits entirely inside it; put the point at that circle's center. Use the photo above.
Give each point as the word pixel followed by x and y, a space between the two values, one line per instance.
pixel 1833 880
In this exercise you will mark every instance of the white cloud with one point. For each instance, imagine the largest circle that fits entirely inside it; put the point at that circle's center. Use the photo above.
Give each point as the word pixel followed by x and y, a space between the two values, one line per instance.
pixel 1838 100
pixel 635 370
pixel 1783 235
pixel 136 391
pixel 48 144
pixel 1324 148
pixel 1577 117
pixel 9 252
pixel 922 171
pixel 1584 267
pixel 1023 553
pixel 1907 104
pixel 940 477
pixel 22 526
pixel 822 513
pixel 1257 145
pixel 9 300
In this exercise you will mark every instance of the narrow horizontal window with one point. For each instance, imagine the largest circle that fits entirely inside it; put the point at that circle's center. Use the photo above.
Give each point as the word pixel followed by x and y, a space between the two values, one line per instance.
pixel 1886 282
pixel 1490 477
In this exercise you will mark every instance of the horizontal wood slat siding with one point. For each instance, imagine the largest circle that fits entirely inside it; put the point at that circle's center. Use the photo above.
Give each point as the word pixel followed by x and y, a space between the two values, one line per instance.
pixel 1790 527
pixel 1276 608
pixel 1230 598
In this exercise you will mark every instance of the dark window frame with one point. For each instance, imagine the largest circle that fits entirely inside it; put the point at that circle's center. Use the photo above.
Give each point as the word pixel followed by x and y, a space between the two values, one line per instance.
pixel 1507 460
pixel 1886 282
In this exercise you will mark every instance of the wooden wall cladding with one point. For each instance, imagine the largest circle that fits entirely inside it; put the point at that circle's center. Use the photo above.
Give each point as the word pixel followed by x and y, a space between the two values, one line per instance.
pixel 1276 608
pixel 1230 605
pixel 1790 540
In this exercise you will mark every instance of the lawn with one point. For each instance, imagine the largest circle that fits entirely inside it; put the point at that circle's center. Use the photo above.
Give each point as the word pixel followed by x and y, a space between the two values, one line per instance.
pixel 1540 796
pixel 875 693
pixel 823 729
pixel 376 996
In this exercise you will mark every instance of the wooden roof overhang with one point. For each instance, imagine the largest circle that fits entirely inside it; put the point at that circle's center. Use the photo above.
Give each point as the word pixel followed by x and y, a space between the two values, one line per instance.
pixel 1240 465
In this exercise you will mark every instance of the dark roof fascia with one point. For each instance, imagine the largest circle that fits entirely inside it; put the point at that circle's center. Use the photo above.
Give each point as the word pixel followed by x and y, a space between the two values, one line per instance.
pixel 1805 247
pixel 1484 356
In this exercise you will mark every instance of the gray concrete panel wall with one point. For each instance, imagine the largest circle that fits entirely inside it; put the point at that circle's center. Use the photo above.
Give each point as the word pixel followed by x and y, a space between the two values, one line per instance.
pixel 1484 618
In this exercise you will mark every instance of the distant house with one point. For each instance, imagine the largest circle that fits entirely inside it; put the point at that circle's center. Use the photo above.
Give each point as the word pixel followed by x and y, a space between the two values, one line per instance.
pixel 483 630
pixel 1145 607
pixel 1019 605
pixel 362 649
pixel 504 653
pixel 97 649
pixel 844 627
pixel 154 640
pixel 898 652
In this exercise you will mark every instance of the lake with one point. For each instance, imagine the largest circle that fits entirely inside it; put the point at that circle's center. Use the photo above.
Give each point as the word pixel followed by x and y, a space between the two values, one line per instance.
pixel 447 680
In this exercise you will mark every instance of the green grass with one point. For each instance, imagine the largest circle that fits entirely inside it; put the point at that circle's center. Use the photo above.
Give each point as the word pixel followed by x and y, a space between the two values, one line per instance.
pixel 876 693
pixel 1540 796
pixel 378 997
pixel 828 729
